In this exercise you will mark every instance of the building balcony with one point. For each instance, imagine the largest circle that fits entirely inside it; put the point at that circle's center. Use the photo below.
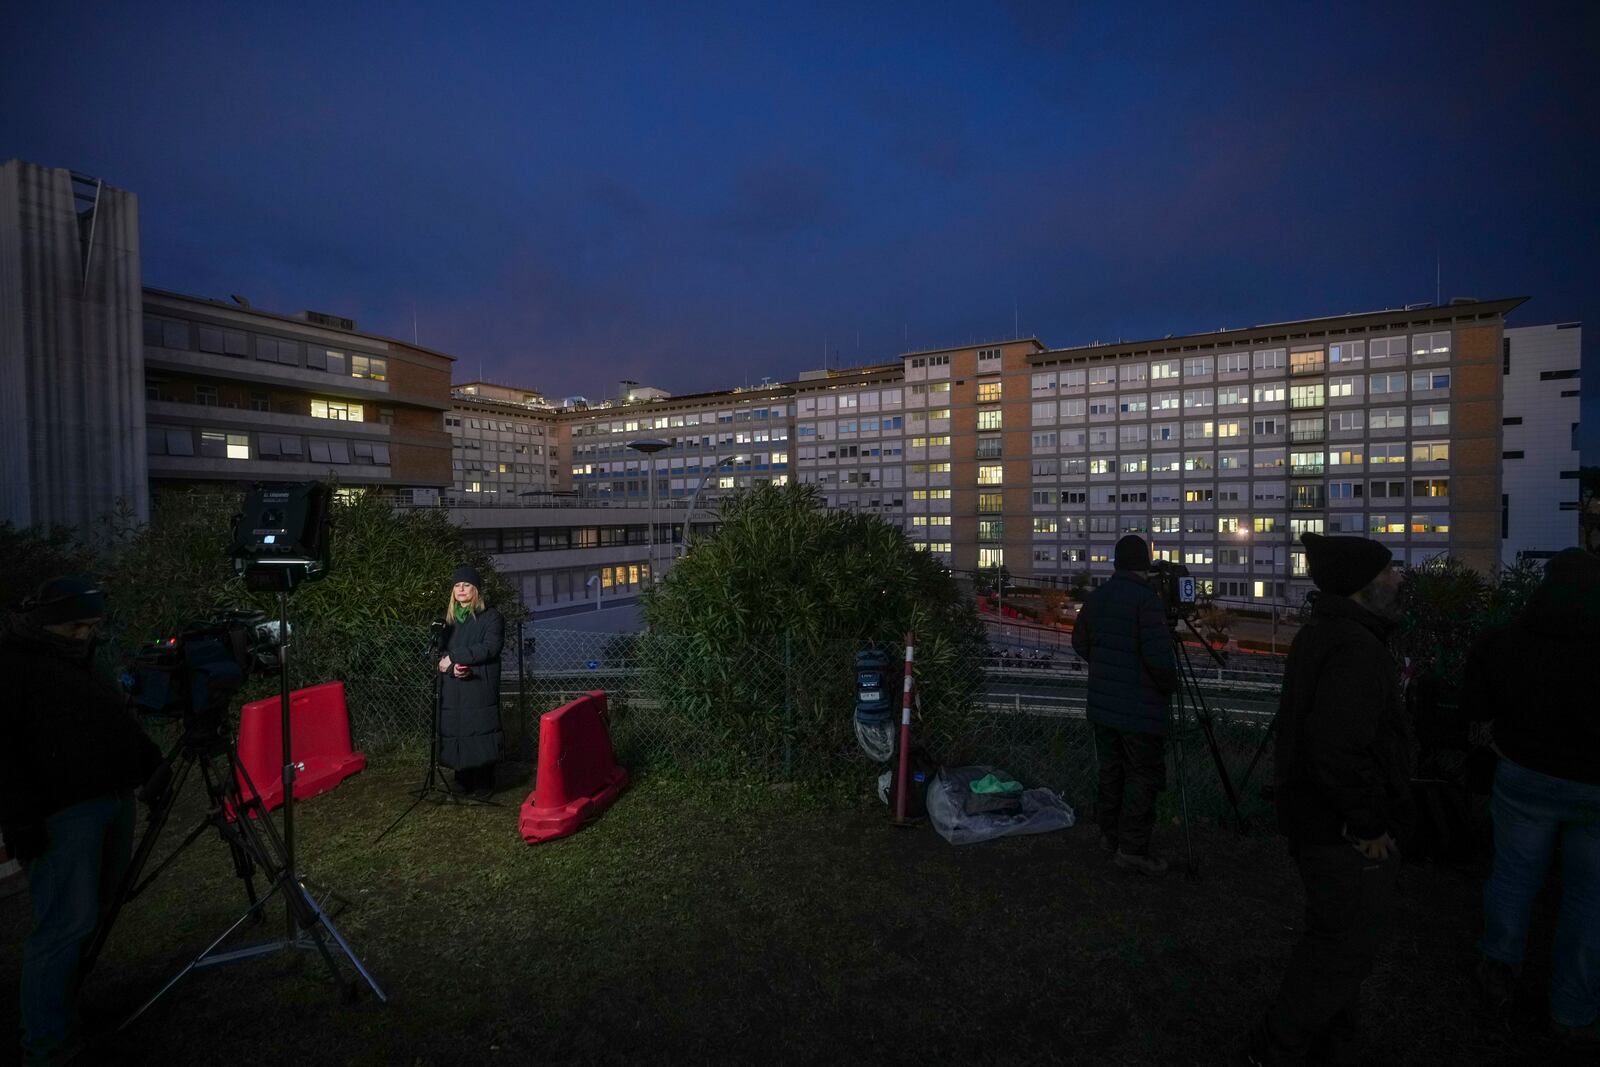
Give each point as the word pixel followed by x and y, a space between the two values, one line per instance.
pixel 1308 367
pixel 1307 437
pixel 988 451
pixel 1308 470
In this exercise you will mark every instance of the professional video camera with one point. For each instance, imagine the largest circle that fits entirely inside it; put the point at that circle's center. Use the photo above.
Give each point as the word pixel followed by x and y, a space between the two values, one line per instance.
pixel 1176 587
pixel 193 675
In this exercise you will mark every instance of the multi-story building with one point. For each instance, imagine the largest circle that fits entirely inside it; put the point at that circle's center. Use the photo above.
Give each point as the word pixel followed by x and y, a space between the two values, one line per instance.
pixel 504 444
pixel 1539 498
pixel 234 393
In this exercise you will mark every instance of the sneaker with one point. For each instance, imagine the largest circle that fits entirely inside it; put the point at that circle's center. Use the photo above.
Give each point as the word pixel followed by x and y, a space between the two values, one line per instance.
pixel 1155 867
pixel 1497 984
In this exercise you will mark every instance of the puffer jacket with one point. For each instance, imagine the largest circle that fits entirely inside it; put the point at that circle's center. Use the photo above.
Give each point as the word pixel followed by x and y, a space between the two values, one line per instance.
pixel 1122 632
pixel 1342 761
pixel 1535 681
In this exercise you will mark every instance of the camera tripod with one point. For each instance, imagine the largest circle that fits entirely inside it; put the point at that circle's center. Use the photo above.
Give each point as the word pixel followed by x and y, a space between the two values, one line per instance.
pixel 433 782
pixel 1189 689
pixel 253 841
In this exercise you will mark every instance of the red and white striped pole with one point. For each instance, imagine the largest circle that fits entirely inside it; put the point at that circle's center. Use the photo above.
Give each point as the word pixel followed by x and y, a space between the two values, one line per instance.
pixel 903 777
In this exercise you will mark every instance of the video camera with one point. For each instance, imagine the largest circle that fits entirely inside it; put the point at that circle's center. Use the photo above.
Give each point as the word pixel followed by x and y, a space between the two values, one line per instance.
pixel 1176 588
pixel 191 676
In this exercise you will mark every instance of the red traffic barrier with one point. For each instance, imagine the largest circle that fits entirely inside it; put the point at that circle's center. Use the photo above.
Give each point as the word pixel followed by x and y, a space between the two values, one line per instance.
pixel 578 772
pixel 320 725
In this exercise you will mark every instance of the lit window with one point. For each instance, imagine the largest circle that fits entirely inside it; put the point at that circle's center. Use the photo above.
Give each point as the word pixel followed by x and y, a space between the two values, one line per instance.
pixel 336 409
pixel 369 367
pixel 988 392
pixel 989 474
pixel 988 419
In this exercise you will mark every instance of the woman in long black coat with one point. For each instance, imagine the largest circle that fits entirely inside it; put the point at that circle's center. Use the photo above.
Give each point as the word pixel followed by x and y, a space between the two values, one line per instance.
pixel 469 702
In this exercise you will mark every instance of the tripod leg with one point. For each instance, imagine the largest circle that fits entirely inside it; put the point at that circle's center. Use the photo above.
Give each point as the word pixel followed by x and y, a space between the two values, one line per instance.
pixel 1191 868
pixel 344 946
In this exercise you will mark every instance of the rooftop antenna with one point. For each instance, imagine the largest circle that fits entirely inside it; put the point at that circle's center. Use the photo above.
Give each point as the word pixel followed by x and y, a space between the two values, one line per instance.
pixel 1438 274
pixel 414 324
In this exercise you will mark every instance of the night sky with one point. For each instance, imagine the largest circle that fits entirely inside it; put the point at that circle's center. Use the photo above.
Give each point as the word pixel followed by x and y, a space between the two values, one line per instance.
pixel 699 196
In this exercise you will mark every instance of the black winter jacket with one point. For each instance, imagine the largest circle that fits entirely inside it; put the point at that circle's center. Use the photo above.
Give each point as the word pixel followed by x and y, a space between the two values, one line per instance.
pixel 469 717
pixel 1122 632
pixel 66 735
pixel 1535 680
pixel 1342 761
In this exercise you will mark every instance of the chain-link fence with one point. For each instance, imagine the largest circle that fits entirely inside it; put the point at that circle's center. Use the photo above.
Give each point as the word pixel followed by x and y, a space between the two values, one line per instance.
pixel 771 708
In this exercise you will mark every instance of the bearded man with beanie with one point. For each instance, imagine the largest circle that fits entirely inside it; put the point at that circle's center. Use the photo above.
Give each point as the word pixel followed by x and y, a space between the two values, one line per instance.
pixel 1342 767
pixel 1122 633
pixel 70 756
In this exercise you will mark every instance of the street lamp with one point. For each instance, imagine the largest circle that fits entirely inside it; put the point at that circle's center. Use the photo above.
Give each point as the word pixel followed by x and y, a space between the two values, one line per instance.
pixel 648 447
pixel 683 541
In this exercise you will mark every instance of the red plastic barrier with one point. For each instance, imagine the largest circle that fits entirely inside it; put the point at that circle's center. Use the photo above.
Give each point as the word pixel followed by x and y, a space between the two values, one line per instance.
pixel 578 772
pixel 321 728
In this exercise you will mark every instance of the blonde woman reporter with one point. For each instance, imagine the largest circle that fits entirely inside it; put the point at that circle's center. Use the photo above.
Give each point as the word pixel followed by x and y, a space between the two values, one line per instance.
pixel 469 701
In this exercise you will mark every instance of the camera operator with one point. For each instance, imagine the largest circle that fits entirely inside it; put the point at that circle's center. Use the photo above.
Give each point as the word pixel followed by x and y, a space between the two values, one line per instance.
pixel 1342 785
pixel 70 756
pixel 469 719
pixel 1534 680
pixel 1122 633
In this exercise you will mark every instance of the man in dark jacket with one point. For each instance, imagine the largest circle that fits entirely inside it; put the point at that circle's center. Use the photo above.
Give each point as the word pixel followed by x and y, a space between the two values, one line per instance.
pixel 70 755
pixel 1122 633
pixel 1534 679
pixel 1342 768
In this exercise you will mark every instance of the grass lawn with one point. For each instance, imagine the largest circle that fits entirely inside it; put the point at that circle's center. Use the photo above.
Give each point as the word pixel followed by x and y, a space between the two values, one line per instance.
pixel 716 922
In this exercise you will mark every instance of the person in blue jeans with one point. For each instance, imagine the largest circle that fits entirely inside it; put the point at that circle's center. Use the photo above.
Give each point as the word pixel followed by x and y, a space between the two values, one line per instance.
pixel 1533 679
pixel 70 755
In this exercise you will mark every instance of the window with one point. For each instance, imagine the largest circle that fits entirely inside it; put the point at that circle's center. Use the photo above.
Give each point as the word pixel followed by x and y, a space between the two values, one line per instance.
pixel 1269 459
pixel 1430 452
pixel 1388 418
pixel 1196 398
pixel 1435 416
pixel 1430 345
pixel 1269 359
pixel 1386 349
pixel 1133 465
pixel 1347 457
pixel 1199 496
pixel 1164 369
pixel 1100 466
pixel 336 409
pixel 1306 464
pixel 1072 409
pixel 989 474
pixel 1430 524
pixel 1073 379
pixel 1387 453
pixel 1102 375
pixel 1346 352
pixel 277 350
pixel 1345 491
pixel 1133 435
pixel 1198 366
pixel 991 557
pixel 1048 439
pixel 1342 387
pixel 988 419
pixel 1267 427
pixel 1233 363
pixel 1268 393
pixel 1100 407
pixel 369 367
pixel 1386 384
pixel 1232 394
pixel 1265 523
pixel 222 342
pixel 1430 487
pixel 1557 375
pixel 1133 372
pixel 205 394
pixel 1199 430
pixel 1129 405
pixel 218 444
pixel 1307 396
pixel 1387 490
pixel 1044 384
pixel 1230 428
pixel 1430 379
pixel 1306 361
pixel 1346 420
pixel 168 441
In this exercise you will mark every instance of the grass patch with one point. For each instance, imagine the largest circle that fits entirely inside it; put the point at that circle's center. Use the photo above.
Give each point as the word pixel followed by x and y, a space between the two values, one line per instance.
pixel 733 921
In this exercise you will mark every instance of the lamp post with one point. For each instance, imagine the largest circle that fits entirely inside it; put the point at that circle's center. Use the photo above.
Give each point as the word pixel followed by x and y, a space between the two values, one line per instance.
pixel 648 447
pixel 683 541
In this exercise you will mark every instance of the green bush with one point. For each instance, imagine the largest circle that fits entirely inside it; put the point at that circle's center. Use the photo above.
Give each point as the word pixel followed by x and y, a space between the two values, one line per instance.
pixel 753 633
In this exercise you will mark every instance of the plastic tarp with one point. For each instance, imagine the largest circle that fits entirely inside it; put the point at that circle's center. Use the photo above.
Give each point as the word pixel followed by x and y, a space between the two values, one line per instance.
pixel 1039 810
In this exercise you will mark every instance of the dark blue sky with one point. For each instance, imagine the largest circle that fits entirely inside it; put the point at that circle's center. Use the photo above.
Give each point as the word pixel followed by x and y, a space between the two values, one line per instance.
pixel 700 195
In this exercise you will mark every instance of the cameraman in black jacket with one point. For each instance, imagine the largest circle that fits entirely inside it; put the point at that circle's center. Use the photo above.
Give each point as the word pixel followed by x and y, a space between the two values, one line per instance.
pixel 70 756
pixel 1341 769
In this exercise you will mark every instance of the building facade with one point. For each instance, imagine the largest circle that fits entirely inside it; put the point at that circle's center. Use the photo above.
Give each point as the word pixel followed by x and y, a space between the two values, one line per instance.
pixel 504 444
pixel 233 393
pixel 1539 499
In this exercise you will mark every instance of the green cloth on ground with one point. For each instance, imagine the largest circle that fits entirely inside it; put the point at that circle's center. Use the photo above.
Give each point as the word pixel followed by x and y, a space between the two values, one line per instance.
pixel 990 783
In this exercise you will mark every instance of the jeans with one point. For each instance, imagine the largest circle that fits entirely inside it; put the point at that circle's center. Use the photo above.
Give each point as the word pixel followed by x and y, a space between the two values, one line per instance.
pixel 1533 811
pixel 1135 764
pixel 1348 901
pixel 91 843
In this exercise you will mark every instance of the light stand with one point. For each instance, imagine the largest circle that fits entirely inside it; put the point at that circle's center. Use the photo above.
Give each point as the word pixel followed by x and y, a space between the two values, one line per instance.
pixel 1189 684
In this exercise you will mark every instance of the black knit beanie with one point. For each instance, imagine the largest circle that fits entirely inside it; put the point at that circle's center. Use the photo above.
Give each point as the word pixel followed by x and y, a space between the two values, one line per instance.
pixel 467 573
pixel 71 598
pixel 1344 565
pixel 1131 554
